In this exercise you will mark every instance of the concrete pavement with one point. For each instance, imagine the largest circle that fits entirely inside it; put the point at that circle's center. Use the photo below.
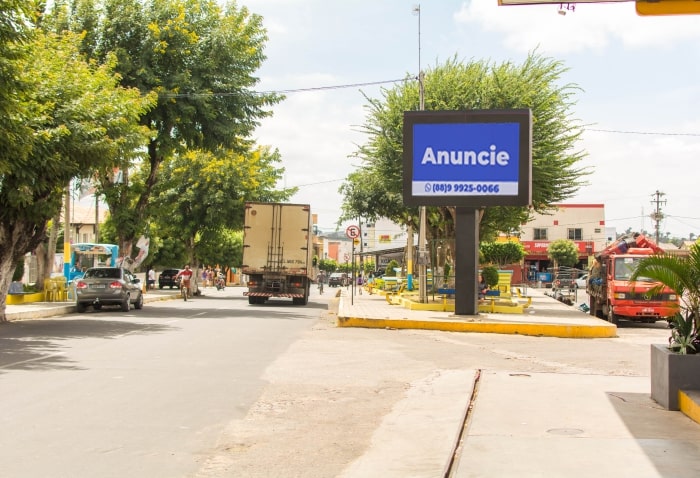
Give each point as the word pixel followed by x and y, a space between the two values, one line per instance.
pixel 497 423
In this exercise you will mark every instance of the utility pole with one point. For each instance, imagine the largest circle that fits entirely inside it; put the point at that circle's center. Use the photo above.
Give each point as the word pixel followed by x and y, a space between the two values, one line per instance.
pixel 422 223
pixel 657 215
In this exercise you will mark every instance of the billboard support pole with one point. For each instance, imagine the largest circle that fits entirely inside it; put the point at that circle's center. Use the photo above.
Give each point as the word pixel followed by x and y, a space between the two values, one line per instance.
pixel 467 261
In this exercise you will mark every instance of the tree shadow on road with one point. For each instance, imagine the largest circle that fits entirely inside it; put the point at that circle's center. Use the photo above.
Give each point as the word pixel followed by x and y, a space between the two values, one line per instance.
pixel 36 344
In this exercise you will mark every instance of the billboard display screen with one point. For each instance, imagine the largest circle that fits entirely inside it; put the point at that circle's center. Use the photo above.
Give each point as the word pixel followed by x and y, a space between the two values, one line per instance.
pixel 474 158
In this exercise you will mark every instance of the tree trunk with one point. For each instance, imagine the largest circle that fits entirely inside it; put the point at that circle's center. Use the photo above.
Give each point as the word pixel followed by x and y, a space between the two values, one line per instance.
pixel 17 237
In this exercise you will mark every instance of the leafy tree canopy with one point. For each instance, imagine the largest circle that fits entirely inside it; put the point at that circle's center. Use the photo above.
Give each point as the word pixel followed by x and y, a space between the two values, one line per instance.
pixel 502 253
pixel 563 252
pixel 199 57
pixel 375 190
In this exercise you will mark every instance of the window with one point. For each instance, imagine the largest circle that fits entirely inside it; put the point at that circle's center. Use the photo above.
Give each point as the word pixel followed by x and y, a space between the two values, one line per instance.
pixel 540 234
pixel 575 234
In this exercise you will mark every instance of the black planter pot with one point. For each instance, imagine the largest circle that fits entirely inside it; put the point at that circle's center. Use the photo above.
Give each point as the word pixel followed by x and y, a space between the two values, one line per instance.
pixel 671 372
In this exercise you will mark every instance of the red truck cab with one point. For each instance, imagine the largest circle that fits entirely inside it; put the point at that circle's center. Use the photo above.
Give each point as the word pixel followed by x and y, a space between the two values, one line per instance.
pixel 613 296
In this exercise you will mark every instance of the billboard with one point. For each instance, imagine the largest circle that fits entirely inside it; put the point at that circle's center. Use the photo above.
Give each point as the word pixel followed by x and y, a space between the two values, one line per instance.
pixel 474 158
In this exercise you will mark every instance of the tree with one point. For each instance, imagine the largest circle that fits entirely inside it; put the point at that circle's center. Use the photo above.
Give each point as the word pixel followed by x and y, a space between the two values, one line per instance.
pixel 563 252
pixel 200 58
pixel 80 120
pixel 490 275
pixel 327 265
pixel 202 194
pixel 502 253
pixel 224 249
pixel 375 190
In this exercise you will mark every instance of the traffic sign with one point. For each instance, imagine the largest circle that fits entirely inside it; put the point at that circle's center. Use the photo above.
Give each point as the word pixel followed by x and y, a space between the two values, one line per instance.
pixel 353 232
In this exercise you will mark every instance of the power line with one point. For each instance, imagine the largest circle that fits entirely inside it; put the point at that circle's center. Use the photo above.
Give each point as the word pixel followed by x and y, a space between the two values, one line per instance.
pixel 283 92
pixel 650 133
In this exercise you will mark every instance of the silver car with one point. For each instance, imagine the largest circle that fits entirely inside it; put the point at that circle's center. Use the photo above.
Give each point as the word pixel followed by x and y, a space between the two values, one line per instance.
pixel 108 286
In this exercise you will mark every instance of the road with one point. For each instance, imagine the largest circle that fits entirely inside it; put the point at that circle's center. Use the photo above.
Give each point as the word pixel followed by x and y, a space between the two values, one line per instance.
pixel 138 394
pixel 214 387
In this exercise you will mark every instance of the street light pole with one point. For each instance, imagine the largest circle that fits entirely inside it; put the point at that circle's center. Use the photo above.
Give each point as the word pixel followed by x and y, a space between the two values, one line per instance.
pixel 422 253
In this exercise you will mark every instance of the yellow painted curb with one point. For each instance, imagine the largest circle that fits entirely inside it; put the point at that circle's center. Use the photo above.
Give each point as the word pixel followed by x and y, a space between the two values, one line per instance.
pixel 15 299
pixel 689 404
pixel 517 328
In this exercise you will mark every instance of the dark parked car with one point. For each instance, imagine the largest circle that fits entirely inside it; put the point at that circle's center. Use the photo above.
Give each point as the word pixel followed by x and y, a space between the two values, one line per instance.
pixel 338 279
pixel 108 286
pixel 167 278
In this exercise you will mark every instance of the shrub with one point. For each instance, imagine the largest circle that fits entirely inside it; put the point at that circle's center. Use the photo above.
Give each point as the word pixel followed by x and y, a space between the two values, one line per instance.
pixel 490 275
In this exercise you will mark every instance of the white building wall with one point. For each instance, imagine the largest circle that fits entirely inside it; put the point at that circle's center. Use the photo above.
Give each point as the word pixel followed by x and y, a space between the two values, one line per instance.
pixel 588 218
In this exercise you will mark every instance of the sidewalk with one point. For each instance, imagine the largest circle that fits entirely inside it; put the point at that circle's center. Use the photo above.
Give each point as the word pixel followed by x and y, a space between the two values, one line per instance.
pixel 546 316
pixel 40 310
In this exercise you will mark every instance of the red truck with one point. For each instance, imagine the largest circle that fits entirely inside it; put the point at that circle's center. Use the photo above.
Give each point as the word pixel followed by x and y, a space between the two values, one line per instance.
pixel 613 296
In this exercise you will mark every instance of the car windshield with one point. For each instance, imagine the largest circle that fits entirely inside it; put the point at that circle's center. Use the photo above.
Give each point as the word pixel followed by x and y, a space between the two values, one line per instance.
pixel 102 274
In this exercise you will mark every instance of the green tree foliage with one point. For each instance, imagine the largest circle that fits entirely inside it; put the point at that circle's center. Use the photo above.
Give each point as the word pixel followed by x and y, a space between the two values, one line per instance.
pixel 80 119
pixel 16 17
pixel 375 190
pixel 681 274
pixel 490 275
pixel 390 272
pixel 223 248
pixel 202 194
pixel 200 58
pixel 563 252
pixel 327 265
pixel 502 253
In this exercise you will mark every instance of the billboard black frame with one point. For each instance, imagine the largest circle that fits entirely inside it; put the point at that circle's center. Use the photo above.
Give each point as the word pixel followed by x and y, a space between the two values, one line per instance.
pixel 523 117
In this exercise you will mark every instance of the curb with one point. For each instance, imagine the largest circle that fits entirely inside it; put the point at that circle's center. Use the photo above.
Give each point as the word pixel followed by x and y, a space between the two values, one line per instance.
pixel 515 328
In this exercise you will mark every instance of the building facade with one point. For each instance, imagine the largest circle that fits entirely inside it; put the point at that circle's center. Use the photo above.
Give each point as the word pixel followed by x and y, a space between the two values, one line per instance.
pixel 584 224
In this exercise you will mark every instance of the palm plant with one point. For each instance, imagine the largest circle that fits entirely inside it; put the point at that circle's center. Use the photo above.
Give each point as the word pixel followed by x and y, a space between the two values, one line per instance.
pixel 682 274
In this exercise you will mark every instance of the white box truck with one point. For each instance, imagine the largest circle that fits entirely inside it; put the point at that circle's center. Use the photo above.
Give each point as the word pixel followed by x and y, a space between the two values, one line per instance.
pixel 277 251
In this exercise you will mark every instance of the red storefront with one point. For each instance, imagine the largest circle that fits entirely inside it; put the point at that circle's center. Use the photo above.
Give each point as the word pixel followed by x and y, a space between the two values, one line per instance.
pixel 539 266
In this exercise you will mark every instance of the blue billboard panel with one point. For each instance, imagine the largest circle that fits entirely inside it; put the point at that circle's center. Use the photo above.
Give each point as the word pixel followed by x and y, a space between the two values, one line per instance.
pixel 467 158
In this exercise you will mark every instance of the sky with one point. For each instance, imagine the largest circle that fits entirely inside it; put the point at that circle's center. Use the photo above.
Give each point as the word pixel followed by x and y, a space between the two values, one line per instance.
pixel 638 99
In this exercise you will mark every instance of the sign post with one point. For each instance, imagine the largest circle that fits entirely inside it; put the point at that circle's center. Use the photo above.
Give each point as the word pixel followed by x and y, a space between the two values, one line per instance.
pixel 353 233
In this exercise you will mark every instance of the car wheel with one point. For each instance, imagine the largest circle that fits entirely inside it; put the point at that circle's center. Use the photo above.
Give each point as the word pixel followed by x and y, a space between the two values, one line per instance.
pixel 126 304
pixel 80 307
pixel 97 306
pixel 139 302
pixel 160 286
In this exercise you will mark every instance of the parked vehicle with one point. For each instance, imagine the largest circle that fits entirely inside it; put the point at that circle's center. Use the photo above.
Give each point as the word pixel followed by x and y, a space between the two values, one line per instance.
pixel 108 286
pixel 564 279
pixel 614 296
pixel 582 281
pixel 277 251
pixel 168 278
pixel 338 279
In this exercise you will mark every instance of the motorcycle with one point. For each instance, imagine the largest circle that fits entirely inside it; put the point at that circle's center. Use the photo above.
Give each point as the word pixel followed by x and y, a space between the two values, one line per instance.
pixel 220 283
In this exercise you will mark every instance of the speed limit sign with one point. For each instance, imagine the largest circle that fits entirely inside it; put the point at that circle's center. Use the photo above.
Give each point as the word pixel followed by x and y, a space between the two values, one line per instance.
pixel 353 232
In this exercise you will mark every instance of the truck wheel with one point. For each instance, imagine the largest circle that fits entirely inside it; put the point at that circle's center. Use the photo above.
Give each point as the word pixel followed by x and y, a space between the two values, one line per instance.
pixel 612 318
pixel 591 306
pixel 251 300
